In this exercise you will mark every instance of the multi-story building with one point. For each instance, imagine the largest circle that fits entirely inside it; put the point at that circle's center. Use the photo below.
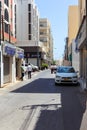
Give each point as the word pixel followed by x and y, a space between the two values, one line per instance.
pixel 72 28
pixel 27 28
pixel 10 55
pixel 46 39
pixel 81 39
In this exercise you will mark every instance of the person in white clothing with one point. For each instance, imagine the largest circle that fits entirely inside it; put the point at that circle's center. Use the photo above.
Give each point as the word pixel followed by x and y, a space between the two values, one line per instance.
pixel 29 69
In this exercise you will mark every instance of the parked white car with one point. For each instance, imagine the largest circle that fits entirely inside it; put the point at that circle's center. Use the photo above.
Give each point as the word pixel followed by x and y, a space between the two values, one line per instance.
pixel 34 67
pixel 66 74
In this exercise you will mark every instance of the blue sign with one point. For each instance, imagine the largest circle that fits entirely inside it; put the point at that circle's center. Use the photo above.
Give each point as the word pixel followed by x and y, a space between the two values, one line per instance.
pixel 10 51
pixel 20 55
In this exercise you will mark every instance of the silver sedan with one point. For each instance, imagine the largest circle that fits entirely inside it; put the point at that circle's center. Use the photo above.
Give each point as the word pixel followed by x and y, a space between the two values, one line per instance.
pixel 66 74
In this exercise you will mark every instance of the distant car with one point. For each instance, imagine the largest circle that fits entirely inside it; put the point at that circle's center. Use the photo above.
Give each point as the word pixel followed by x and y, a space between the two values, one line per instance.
pixel 34 67
pixel 66 74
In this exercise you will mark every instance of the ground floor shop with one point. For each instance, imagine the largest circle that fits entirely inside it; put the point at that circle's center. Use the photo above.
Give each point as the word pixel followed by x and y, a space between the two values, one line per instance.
pixel 83 64
pixel 33 55
pixel 11 60
pixel 81 45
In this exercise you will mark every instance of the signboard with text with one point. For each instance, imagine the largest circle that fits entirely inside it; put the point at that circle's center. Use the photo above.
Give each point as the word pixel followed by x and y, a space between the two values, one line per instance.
pixel 32 54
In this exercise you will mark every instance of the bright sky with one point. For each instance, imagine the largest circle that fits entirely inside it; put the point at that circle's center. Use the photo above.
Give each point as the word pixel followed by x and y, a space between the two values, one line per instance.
pixel 57 13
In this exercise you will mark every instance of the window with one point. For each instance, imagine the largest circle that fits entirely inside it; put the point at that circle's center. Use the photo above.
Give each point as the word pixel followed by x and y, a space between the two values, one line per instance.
pixel 29 17
pixel 29 7
pixel 29 37
pixel 6 16
pixel 29 29
pixel 6 28
pixel 6 2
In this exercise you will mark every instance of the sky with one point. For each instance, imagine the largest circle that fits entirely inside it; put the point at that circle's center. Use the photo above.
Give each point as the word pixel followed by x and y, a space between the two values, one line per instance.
pixel 56 11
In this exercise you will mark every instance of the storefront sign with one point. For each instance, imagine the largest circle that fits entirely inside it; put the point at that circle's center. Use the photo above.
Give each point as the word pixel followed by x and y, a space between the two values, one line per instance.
pixel 20 55
pixel 9 50
pixel 32 55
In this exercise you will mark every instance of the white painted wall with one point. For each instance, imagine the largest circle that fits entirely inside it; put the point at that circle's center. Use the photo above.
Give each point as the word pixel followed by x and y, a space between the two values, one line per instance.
pixel 13 69
pixel 22 23
pixel 1 69
pixel 75 57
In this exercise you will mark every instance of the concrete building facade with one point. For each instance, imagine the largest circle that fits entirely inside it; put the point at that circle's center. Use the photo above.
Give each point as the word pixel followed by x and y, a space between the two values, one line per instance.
pixel 46 38
pixel 27 28
pixel 9 52
pixel 81 40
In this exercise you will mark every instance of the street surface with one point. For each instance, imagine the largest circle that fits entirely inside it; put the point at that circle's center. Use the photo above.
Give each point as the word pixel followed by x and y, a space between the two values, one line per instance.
pixel 37 104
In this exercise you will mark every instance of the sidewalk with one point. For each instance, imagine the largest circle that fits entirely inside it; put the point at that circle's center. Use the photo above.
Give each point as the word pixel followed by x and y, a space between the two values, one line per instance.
pixel 83 84
pixel 18 82
pixel 83 100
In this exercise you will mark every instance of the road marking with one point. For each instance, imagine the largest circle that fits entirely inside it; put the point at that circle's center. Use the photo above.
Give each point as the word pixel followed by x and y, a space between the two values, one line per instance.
pixel 31 119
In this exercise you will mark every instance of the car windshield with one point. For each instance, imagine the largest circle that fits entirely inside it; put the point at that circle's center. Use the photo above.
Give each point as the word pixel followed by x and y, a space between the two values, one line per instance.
pixel 65 70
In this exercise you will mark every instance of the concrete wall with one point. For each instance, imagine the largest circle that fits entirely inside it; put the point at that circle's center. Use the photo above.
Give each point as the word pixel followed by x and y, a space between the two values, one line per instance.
pixel 75 57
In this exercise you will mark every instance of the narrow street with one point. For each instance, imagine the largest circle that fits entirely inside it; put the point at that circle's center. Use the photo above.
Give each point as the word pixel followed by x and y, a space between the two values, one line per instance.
pixel 37 104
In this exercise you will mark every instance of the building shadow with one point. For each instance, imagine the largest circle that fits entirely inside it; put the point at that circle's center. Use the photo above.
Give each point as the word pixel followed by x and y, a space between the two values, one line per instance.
pixel 40 85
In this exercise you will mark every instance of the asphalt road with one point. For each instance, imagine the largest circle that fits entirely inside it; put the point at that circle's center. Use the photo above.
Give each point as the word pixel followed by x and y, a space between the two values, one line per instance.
pixel 37 104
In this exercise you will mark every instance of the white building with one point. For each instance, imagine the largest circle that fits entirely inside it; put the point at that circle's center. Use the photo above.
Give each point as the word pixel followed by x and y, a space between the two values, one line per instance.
pixel 75 56
pixel 27 28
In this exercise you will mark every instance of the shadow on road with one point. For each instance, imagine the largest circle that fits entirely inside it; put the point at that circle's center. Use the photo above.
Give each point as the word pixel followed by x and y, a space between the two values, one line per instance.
pixel 65 116
pixel 40 85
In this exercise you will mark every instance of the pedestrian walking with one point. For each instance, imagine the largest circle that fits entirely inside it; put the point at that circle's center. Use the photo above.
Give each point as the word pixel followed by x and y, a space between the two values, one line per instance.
pixel 22 72
pixel 29 70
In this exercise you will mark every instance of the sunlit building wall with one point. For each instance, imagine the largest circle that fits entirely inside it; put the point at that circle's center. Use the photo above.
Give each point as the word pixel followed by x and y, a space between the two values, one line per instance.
pixel 46 38
pixel 72 27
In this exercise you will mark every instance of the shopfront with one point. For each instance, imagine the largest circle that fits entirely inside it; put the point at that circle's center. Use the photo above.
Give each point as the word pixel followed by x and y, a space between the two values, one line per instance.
pixel 81 41
pixel 8 60
pixel 19 59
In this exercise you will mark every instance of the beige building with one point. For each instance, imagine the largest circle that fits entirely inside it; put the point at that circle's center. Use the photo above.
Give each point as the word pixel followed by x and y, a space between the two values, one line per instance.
pixel 46 38
pixel 72 28
pixel 81 39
